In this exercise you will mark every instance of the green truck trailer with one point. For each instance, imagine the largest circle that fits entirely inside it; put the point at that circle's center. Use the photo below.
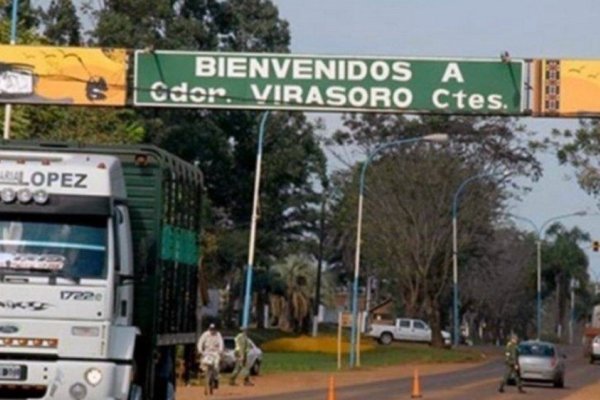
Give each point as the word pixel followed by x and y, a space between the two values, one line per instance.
pixel 99 265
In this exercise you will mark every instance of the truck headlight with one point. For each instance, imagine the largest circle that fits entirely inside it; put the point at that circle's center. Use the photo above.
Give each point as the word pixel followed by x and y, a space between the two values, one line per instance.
pixel 8 195
pixel 78 391
pixel 24 196
pixel 40 197
pixel 93 376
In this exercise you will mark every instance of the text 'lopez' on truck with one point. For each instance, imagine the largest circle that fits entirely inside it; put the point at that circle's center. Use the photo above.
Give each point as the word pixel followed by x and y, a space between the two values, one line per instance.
pixel 99 251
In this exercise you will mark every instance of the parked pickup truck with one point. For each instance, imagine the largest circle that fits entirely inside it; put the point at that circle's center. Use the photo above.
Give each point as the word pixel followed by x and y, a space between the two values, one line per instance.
pixel 406 329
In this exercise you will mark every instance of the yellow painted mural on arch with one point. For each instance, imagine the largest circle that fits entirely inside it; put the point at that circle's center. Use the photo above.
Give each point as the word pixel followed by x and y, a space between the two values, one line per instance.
pixel 63 75
pixel 567 88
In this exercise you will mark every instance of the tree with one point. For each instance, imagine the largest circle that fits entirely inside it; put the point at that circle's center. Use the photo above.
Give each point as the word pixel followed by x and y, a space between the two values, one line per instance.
pixel 293 280
pixel 498 287
pixel 82 124
pixel 581 149
pixel 27 16
pixel 564 260
pixel 253 25
pixel 223 143
pixel 407 222
pixel 61 24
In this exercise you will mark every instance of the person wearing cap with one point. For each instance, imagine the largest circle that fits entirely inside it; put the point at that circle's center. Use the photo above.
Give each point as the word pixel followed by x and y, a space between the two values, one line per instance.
pixel 511 357
pixel 242 348
pixel 211 341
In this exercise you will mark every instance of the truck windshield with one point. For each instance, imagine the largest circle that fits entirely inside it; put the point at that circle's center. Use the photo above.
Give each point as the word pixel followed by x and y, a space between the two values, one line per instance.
pixel 65 246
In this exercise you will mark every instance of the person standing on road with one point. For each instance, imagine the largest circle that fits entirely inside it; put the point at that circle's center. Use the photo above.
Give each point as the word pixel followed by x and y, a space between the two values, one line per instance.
pixel 242 348
pixel 511 355
pixel 211 341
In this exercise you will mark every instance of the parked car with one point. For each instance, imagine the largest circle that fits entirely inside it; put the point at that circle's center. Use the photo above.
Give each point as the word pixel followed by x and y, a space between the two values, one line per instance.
pixel 255 356
pixel 540 362
pixel 595 349
pixel 406 329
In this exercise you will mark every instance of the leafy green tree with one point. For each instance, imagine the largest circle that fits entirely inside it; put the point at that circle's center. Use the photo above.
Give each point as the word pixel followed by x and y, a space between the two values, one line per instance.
pixel 223 143
pixel 409 192
pixel 581 148
pixel 293 280
pixel 61 24
pixel 564 260
pixel 188 24
pixel 497 288
pixel 27 16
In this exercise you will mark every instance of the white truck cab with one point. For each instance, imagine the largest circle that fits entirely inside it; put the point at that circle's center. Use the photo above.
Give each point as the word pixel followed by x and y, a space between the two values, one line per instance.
pixel 405 329
pixel 66 292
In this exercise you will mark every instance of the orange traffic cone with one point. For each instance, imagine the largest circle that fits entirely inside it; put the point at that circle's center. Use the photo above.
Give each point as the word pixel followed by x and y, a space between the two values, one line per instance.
pixel 416 391
pixel 331 391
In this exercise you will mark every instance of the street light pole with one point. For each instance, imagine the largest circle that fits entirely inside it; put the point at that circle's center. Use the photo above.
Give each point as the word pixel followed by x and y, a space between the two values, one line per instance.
pixel 13 40
pixel 540 237
pixel 435 137
pixel 455 251
pixel 252 241
pixel 319 267
pixel 538 293
pixel 574 285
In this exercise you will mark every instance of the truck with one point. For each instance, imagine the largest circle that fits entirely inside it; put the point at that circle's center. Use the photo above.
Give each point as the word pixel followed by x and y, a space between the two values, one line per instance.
pixel 404 329
pixel 590 333
pixel 99 261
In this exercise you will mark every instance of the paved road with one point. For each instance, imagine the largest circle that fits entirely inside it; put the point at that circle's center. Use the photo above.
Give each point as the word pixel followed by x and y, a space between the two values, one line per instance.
pixel 480 382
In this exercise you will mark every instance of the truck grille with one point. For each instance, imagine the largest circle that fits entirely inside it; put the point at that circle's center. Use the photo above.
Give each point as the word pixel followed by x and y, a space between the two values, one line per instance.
pixel 22 391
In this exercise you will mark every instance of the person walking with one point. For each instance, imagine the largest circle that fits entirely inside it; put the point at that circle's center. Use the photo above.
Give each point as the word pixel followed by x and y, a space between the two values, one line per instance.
pixel 242 348
pixel 511 358
pixel 211 342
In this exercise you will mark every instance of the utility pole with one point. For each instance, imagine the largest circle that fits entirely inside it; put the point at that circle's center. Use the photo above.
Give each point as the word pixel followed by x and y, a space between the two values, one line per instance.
pixel 13 41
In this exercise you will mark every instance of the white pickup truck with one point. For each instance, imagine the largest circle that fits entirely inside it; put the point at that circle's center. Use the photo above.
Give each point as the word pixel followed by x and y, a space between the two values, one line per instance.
pixel 406 329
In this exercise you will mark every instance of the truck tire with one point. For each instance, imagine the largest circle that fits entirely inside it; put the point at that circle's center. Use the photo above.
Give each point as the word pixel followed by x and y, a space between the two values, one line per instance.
pixel 386 338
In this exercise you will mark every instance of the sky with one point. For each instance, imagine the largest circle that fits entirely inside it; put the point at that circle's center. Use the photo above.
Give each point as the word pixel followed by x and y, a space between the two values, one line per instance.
pixel 466 28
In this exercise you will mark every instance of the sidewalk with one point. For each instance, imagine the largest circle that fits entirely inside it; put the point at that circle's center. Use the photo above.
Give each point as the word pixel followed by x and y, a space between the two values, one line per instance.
pixel 280 383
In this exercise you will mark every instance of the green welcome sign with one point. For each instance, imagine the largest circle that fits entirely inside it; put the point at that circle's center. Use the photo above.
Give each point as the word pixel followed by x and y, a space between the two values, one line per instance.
pixel 327 83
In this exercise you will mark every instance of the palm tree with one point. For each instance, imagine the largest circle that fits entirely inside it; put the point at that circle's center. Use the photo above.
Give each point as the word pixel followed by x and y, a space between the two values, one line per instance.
pixel 294 280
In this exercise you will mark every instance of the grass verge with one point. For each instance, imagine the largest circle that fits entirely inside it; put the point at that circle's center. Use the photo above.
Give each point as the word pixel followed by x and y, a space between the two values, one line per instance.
pixel 395 354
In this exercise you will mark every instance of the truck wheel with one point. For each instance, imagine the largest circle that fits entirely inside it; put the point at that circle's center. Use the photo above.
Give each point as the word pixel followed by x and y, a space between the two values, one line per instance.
pixel 386 338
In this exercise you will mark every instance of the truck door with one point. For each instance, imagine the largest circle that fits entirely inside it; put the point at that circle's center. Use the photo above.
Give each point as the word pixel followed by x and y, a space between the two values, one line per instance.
pixel 124 263
pixel 403 329
pixel 420 331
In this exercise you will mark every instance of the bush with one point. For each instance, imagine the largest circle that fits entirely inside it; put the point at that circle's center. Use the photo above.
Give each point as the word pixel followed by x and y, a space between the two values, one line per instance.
pixel 321 344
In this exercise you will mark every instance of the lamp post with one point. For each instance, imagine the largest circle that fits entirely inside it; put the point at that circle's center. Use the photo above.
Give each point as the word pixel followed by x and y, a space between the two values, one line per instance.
pixel 574 286
pixel 434 137
pixel 13 40
pixel 317 304
pixel 455 248
pixel 540 235
pixel 252 241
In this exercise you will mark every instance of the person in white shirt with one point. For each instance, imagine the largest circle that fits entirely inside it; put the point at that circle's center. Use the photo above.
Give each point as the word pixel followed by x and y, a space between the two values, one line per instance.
pixel 211 341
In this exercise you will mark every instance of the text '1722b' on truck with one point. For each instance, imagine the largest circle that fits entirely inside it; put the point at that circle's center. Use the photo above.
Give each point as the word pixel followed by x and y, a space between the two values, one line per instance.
pixel 99 250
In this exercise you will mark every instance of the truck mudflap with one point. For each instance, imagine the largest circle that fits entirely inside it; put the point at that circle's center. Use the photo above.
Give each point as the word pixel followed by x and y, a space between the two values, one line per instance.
pixel 64 379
